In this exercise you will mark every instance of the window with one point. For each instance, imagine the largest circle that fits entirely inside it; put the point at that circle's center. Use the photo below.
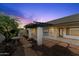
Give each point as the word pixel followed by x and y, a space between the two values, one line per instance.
pixel 45 31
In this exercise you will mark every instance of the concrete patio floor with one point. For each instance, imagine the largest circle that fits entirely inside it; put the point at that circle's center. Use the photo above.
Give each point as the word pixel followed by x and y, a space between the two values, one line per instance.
pixel 50 48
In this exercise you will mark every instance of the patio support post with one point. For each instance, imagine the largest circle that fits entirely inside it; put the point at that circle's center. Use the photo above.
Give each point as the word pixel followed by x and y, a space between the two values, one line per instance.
pixel 64 32
pixel 56 32
pixel 39 35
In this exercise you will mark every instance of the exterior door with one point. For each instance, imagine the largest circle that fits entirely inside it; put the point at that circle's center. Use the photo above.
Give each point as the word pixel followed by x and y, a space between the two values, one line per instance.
pixel 61 32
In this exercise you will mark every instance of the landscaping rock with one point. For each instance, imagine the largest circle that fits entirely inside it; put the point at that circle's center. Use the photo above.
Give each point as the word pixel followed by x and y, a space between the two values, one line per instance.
pixel 2 37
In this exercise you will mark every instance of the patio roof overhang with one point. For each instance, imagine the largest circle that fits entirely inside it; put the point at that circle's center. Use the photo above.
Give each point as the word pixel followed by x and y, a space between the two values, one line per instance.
pixel 72 20
pixel 34 25
pixel 68 24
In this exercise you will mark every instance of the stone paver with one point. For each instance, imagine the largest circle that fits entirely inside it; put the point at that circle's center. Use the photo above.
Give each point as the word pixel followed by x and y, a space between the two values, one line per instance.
pixel 28 51
pixel 50 48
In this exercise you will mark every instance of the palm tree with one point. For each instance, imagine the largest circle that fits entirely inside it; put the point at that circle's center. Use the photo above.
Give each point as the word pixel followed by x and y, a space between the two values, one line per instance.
pixel 8 26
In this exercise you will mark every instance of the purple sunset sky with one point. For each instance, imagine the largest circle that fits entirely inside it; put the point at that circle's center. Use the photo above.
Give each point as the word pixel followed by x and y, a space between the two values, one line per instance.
pixel 42 12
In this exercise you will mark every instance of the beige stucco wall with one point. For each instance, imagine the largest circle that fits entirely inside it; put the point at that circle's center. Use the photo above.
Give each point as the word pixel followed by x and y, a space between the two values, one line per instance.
pixel 34 32
pixel 53 31
pixel 74 31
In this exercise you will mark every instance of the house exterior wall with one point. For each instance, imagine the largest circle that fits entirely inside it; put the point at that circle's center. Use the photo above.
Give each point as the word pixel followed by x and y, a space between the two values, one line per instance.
pixel 74 31
pixel 45 31
pixel 34 32
pixel 54 32
pixel 51 32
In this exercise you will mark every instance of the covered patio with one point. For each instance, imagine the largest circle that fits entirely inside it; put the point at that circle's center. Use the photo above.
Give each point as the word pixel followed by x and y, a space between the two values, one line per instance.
pixel 49 48
pixel 64 30
pixel 35 31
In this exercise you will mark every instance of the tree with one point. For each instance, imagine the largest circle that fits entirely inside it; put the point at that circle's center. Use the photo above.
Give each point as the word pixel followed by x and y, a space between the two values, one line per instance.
pixel 8 26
